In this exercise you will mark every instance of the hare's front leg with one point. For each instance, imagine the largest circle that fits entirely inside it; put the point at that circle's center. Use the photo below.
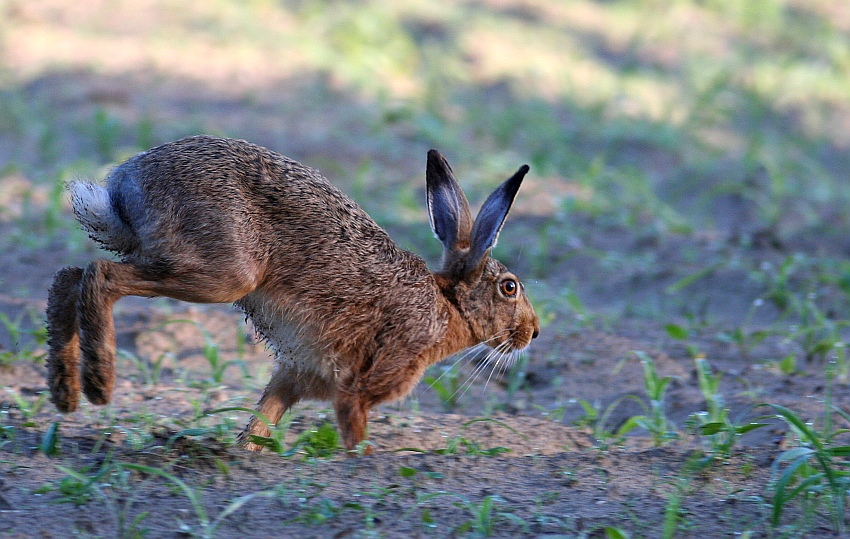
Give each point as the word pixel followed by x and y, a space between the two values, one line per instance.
pixel 288 386
pixel 63 357
pixel 352 414
pixel 273 404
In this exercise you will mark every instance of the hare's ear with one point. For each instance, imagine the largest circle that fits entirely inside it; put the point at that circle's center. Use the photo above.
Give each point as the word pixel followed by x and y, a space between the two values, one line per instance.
pixel 448 208
pixel 491 217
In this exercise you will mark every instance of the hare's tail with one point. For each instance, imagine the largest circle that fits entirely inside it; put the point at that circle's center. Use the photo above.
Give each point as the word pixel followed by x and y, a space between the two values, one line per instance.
pixel 94 209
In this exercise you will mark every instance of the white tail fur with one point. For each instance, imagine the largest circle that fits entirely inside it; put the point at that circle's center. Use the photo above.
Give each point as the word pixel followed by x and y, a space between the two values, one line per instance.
pixel 94 211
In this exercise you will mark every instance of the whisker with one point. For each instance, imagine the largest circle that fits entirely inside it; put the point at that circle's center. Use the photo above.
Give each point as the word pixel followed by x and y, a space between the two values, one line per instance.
pixel 497 335
pixel 497 357
pixel 470 380
pixel 497 364
pixel 462 357
pixel 481 367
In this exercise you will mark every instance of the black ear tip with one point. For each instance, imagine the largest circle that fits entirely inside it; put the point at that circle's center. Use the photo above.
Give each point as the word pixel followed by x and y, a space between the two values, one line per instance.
pixel 523 170
pixel 437 163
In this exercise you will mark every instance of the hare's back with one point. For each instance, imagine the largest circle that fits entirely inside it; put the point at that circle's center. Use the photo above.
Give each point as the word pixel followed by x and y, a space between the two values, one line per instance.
pixel 202 172
pixel 211 199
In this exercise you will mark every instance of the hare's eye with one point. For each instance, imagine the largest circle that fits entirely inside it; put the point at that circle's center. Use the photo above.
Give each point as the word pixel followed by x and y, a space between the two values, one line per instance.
pixel 509 288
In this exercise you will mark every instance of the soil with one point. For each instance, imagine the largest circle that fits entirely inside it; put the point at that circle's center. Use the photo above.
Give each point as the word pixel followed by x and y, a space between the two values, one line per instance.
pixel 434 471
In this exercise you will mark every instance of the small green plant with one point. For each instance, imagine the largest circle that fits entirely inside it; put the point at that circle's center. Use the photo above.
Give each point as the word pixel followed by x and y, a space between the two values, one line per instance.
pixel 681 486
pixel 654 419
pixel 50 440
pixel 743 337
pixel 426 518
pixel 319 512
pixel 123 494
pixel 682 334
pixel 106 128
pixel 675 331
pixel 218 366
pixel 459 444
pixel 318 442
pixel 207 526
pixel 212 353
pixel 818 335
pixel 28 408
pixel 275 441
pixel 77 487
pixel 779 282
pixel 150 371
pixel 53 211
pixel 590 415
pixel 8 434
pixel 817 471
pixel 714 423
pixel 613 532
pixel 485 517
pixel 15 328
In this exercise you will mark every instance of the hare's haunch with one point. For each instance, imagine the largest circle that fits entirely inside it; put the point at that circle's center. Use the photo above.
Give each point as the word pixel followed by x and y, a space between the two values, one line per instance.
pixel 351 317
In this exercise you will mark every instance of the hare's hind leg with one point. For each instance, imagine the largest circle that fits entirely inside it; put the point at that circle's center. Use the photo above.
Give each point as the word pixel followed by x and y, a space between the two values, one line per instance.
pixel 63 342
pixel 104 282
pixel 98 293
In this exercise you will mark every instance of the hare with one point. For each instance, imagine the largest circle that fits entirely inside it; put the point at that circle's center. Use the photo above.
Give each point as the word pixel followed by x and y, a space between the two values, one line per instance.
pixel 352 318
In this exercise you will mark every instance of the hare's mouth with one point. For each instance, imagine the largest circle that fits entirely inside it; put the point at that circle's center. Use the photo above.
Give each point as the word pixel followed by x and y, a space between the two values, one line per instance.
pixel 508 341
pixel 518 339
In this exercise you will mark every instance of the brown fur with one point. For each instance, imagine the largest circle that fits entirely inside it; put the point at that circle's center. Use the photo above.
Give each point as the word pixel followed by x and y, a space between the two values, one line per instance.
pixel 352 318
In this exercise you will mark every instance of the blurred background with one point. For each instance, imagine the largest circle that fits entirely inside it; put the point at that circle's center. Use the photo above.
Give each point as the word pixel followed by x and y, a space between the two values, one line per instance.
pixel 688 157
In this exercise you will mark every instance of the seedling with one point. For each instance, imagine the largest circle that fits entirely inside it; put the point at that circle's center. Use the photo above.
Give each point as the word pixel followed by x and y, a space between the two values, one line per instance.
pixel 275 441
pixel 150 371
pixel 319 442
pixel 818 469
pixel 50 441
pixel 212 353
pixel 27 408
pixel 207 526
pixel 15 328
pixel 485 516
pixel 458 444
pixel 653 419
pixel 714 423
pixel 77 487
pixel 106 129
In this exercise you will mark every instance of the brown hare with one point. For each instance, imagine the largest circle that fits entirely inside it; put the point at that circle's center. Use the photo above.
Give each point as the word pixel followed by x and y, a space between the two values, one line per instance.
pixel 352 318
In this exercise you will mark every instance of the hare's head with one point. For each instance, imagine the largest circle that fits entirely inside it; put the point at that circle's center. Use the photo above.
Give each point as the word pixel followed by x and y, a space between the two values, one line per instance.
pixel 490 298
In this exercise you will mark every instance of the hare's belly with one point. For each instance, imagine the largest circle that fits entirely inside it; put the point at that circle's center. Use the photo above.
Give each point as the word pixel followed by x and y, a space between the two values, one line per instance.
pixel 299 355
pixel 292 337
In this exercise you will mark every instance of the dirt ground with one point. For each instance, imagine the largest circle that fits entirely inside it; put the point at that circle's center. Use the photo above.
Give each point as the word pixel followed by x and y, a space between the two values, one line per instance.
pixel 556 480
